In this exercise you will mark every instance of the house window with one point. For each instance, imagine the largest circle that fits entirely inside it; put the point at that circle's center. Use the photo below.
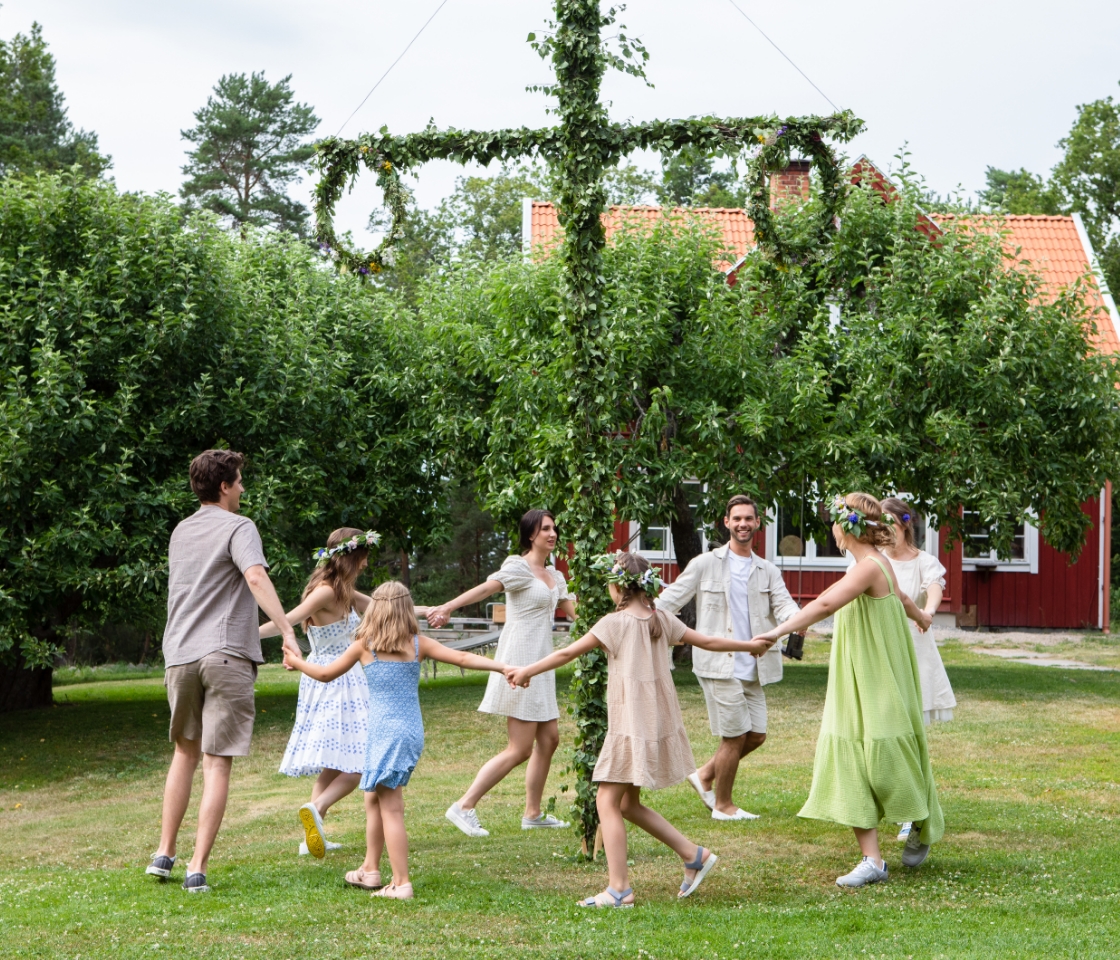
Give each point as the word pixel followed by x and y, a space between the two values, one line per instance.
pixel 654 541
pixel 978 553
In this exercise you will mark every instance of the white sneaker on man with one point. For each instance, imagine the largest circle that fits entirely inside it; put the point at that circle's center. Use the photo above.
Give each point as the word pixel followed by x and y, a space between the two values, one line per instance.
pixel 466 820
pixel 544 821
pixel 708 796
pixel 864 873
pixel 303 851
pixel 737 815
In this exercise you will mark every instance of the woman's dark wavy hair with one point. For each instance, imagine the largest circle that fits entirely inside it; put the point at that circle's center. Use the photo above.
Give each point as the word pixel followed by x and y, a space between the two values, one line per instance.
pixel 530 526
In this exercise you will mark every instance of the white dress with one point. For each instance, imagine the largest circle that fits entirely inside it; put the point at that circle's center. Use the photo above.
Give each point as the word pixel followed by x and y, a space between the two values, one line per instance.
pixel 331 725
pixel 915 577
pixel 525 639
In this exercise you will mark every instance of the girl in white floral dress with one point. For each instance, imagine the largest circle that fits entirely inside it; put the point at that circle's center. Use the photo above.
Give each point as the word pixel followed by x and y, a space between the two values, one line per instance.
pixel 534 590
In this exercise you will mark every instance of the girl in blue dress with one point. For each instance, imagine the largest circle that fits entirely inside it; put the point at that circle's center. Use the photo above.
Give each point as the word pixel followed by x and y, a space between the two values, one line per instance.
pixel 388 647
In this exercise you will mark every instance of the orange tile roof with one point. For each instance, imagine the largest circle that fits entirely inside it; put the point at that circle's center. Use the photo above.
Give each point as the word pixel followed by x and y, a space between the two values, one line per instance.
pixel 1055 247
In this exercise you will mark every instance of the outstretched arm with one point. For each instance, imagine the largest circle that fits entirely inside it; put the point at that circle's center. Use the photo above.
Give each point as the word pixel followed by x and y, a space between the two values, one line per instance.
pixel 327 672
pixel 520 676
pixel 265 594
pixel 840 594
pixel 723 644
pixel 318 598
pixel 434 650
pixel 438 616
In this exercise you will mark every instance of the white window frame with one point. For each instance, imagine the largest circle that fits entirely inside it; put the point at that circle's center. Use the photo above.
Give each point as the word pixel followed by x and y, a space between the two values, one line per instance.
pixel 1029 563
pixel 811 561
pixel 664 556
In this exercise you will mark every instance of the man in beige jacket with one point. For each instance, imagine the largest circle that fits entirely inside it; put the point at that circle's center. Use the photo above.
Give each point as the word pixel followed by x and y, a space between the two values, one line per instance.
pixel 738 595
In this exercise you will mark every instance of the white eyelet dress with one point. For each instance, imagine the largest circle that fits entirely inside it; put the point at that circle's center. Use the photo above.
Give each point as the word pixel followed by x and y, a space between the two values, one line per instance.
pixel 332 719
pixel 525 639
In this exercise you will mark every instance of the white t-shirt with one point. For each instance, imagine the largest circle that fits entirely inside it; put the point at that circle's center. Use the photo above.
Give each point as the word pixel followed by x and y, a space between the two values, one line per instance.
pixel 746 666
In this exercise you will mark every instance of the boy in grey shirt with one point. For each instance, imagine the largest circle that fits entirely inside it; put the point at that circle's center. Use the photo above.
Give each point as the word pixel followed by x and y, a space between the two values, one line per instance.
pixel 216 580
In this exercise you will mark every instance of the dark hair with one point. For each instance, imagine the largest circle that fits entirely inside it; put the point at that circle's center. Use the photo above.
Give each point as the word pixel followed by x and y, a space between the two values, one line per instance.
pixel 740 500
pixel 340 572
pixel 210 469
pixel 636 564
pixel 530 526
pixel 905 515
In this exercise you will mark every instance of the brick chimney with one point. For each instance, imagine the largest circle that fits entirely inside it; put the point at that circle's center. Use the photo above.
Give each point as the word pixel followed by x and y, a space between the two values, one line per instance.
pixel 790 185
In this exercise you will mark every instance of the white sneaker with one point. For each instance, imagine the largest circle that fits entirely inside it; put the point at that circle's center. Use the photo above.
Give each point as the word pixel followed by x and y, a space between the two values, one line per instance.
pixel 466 820
pixel 904 832
pixel 915 852
pixel 707 796
pixel 545 821
pixel 303 851
pixel 865 872
pixel 737 815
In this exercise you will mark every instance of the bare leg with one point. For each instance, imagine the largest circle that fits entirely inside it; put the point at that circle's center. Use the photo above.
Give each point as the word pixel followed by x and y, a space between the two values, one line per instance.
pixel 720 771
pixel 608 802
pixel 522 733
pixel 321 783
pixel 339 786
pixel 658 827
pixel 547 740
pixel 215 792
pixel 869 844
pixel 375 833
pixel 392 818
pixel 177 792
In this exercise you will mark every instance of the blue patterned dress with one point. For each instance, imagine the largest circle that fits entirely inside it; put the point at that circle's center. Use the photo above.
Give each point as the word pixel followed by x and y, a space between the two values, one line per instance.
pixel 396 729
pixel 331 718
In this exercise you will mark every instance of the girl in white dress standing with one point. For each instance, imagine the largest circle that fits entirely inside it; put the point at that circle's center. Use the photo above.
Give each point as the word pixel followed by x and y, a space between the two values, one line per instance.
pixel 328 738
pixel 922 578
pixel 534 591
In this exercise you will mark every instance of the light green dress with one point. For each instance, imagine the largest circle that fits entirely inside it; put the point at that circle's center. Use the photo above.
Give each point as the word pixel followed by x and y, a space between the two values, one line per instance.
pixel 872 759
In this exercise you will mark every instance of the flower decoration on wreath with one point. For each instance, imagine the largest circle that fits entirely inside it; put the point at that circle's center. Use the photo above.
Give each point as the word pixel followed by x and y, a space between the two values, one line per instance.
pixel 649 581
pixel 853 521
pixel 369 539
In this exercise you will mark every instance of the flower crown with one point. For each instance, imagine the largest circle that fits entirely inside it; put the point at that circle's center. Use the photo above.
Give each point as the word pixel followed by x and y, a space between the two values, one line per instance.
pixel 648 581
pixel 853 521
pixel 323 555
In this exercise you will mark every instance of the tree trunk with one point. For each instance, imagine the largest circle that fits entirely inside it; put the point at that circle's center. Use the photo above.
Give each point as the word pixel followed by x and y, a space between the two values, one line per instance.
pixel 686 544
pixel 22 688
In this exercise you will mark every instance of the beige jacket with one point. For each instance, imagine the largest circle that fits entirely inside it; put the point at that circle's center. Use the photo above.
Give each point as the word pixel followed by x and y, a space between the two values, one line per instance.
pixel 708 579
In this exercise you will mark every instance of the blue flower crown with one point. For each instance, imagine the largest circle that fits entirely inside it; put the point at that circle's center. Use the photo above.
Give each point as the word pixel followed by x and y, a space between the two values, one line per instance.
pixel 649 581
pixel 853 521
pixel 323 555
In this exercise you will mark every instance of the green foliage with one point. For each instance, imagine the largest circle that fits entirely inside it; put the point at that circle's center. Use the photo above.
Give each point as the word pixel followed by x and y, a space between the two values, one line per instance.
pixel 1020 192
pixel 690 179
pixel 131 340
pixel 250 144
pixel 35 133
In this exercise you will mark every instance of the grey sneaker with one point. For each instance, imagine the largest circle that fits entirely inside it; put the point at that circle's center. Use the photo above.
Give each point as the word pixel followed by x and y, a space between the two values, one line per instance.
pixel 864 873
pixel 196 883
pixel 545 821
pixel 161 866
pixel 466 820
pixel 915 852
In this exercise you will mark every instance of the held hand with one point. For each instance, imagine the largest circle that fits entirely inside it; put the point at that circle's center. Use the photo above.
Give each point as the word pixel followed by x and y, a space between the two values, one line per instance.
pixel 758 646
pixel 437 617
pixel 925 621
pixel 291 659
pixel 518 677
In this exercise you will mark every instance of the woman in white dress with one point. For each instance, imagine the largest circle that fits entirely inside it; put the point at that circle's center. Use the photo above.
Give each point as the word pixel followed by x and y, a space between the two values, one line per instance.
pixel 534 590
pixel 922 578
pixel 328 738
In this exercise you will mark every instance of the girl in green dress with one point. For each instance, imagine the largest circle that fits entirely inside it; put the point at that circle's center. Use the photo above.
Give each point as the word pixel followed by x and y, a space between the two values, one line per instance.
pixel 872 760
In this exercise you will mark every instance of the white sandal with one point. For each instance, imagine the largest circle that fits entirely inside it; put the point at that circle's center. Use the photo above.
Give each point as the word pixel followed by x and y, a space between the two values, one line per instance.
pixel 702 867
pixel 609 898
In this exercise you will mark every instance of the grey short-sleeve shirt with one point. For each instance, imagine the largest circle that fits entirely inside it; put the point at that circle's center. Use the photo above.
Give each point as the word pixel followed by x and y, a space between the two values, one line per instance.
pixel 209 605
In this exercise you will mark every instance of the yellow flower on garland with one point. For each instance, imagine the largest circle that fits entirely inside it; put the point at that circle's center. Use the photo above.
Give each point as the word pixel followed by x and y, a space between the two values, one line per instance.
pixel 374 266
pixel 365 149
pixel 386 166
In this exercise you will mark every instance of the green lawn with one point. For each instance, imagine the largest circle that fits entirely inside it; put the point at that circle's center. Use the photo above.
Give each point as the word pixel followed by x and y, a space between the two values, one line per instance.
pixel 1029 775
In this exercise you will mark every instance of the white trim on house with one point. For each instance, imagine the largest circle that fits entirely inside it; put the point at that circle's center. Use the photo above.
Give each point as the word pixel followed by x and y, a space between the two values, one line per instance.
pixel 1101 547
pixel 527 227
pixel 811 561
pixel 1029 563
pixel 1094 263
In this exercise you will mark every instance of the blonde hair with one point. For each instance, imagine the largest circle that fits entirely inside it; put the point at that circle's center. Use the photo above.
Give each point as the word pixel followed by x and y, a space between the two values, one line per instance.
pixel 390 621
pixel 340 572
pixel 876 536
pixel 636 564
pixel 900 509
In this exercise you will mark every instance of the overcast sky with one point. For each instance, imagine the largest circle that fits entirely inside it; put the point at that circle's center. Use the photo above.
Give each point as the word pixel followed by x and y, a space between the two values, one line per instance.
pixel 963 84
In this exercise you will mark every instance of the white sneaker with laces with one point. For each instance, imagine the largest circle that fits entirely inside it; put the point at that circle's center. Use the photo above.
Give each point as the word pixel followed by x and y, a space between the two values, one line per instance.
pixel 864 873
pixel 544 821
pixel 915 852
pixel 303 851
pixel 466 820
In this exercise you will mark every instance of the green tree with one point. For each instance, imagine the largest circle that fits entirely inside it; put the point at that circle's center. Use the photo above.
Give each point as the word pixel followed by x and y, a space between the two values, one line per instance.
pixel 35 133
pixel 1089 176
pixel 249 146
pixel 1020 192
pixel 690 178
pixel 132 340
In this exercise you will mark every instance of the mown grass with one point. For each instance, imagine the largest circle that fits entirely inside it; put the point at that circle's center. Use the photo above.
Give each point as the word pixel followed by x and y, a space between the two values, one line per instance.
pixel 1030 865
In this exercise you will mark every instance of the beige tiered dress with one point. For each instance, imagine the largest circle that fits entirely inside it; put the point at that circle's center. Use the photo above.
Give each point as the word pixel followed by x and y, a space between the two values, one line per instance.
pixel 646 744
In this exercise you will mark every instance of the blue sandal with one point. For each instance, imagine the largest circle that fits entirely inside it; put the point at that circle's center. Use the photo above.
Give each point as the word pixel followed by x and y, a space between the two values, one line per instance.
pixel 702 866
pixel 614 901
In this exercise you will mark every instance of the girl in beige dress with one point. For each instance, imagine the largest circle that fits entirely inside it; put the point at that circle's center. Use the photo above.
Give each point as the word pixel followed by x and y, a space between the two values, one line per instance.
pixel 646 744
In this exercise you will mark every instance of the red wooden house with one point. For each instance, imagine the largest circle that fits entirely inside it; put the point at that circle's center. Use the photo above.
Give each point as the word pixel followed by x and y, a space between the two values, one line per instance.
pixel 1037 587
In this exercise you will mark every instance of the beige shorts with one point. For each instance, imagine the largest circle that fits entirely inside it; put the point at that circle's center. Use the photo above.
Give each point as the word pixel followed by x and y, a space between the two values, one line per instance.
pixel 212 701
pixel 735 706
